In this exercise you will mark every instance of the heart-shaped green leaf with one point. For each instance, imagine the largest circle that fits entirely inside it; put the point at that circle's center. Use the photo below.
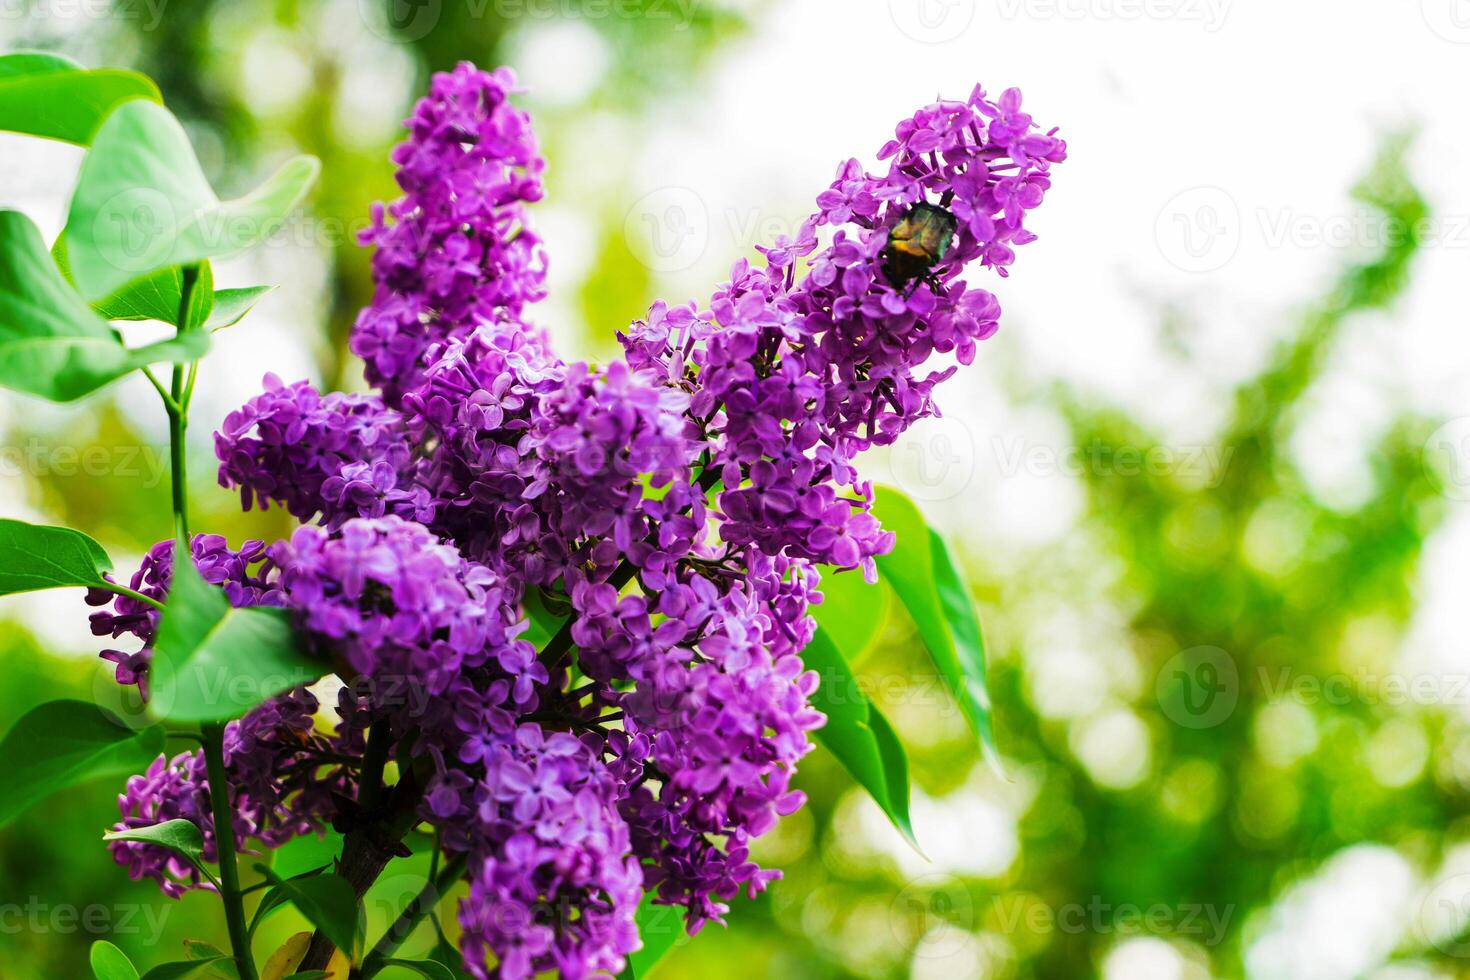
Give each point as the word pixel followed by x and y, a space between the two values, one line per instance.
pixel 62 743
pixel 111 963
pixel 213 662
pixel 142 203
pixel 38 556
pixel 47 95
pixel 858 735
pixel 52 344
pixel 927 581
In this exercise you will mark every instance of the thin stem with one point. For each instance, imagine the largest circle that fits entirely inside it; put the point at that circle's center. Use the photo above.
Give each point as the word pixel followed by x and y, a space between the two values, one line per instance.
pixel 168 402
pixel 224 842
pixel 131 594
pixel 178 425
pixel 177 404
pixel 407 921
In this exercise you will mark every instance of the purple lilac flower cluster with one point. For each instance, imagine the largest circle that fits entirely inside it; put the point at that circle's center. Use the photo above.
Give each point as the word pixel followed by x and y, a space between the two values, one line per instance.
pixel 456 248
pixel 671 507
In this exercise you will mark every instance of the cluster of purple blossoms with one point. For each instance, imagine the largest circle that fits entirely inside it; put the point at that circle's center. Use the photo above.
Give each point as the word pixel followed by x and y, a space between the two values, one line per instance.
pixel 662 519
pixel 457 250
pixel 280 782
pixel 337 456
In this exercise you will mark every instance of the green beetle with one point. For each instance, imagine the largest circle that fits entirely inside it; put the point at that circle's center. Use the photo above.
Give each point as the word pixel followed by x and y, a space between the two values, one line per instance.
pixel 918 242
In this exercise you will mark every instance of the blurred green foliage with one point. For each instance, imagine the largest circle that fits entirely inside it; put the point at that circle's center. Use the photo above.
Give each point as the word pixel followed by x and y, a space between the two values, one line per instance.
pixel 1150 796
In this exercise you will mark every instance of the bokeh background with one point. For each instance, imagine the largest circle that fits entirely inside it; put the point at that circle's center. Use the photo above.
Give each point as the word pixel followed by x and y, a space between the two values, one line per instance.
pixel 1211 481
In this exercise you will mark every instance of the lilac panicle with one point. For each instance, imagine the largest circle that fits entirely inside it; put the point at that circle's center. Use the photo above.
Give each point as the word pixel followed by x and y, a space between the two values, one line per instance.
pixel 456 248
pixel 668 512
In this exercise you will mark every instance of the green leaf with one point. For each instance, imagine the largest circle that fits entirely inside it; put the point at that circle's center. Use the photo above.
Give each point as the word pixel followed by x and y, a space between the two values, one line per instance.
pixel 276 899
pixel 38 556
pixel 180 971
pixel 46 95
pixel 852 611
pixel 180 836
pixel 444 952
pixel 109 962
pixel 306 854
pixel 659 926
pixel 211 661
pixel 927 581
pixel 52 344
pixel 858 735
pixel 142 203
pixel 156 296
pixel 326 900
pixel 63 743
pixel 424 968
pixel 544 621
pixel 232 304
pixel 196 949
